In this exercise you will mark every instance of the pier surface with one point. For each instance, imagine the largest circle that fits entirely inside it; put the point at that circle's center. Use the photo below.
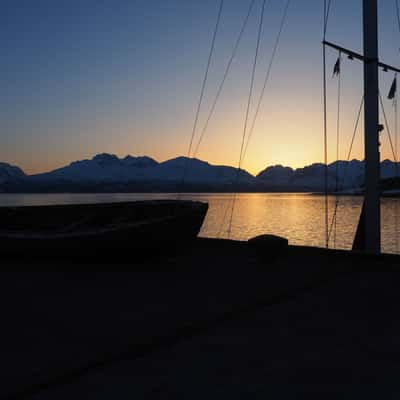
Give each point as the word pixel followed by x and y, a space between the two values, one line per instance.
pixel 217 319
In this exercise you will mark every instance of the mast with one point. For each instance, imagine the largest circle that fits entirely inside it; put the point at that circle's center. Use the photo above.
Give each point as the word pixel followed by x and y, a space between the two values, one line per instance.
pixel 372 223
pixel 368 235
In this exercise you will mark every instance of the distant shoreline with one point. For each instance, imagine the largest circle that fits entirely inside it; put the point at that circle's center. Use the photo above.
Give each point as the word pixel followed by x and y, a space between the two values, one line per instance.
pixel 106 173
pixel 171 192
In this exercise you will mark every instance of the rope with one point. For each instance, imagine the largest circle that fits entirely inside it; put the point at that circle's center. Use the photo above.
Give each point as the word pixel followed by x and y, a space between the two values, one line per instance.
pixel 394 157
pixel 396 140
pixel 346 165
pixel 387 128
pixel 247 112
pixel 327 8
pixel 396 131
pixel 275 48
pixel 224 217
pixel 355 130
pixel 337 145
pixel 396 215
pixel 226 73
pixel 396 219
pixel 325 150
pixel 396 2
pixel 326 17
pixel 196 119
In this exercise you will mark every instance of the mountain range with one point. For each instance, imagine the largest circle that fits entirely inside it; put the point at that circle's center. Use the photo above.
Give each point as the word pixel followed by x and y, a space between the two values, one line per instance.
pixel 9 173
pixel 108 173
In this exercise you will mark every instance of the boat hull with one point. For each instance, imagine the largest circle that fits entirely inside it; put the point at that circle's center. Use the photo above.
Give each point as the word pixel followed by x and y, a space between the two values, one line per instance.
pixel 108 229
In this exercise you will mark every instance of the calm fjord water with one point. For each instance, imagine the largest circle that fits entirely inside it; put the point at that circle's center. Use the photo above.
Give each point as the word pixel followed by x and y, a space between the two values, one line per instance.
pixel 298 217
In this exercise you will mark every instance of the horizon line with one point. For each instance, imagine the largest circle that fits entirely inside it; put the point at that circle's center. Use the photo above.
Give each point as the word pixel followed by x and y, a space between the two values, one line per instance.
pixel 185 157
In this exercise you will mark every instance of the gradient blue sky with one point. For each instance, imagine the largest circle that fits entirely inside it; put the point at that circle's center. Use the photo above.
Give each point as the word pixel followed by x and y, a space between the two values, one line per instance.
pixel 124 76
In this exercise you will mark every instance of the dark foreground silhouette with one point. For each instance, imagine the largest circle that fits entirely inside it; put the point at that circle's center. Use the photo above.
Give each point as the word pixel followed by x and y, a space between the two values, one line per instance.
pixel 214 317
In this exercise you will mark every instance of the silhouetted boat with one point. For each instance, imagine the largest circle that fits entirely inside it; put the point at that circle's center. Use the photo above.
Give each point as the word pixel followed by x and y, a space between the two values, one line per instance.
pixel 99 228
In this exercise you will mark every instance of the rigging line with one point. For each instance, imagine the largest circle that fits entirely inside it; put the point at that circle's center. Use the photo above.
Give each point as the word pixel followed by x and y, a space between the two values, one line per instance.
pixel 396 119
pixel 394 156
pixel 395 159
pixel 325 132
pixel 397 13
pixel 396 97
pixel 206 76
pixel 226 73
pixel 391 145
pixel 223 218
pixel 396 132
pixel 325 151
pixel 266 79
pixel 253 74
pixel 387 127
pixel 347 159
pixel 327 8
pixel 338 120
pixel 337 145
pixel 355 130
pixel 196 119
pixel 396 218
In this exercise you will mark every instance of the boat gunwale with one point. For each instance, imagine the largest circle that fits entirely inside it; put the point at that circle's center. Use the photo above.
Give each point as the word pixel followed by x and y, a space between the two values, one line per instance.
pixel 182 209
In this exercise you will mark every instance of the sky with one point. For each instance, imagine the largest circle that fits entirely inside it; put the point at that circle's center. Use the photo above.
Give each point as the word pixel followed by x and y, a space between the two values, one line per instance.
pixel 124 77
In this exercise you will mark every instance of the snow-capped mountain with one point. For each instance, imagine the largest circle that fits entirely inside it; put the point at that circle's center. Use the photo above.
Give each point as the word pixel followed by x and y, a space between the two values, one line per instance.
pixel 109 168
pixel 10 173
pixel 276 175
pixel 111 173
pixel 197 171
pixel 138 162
pixel 350 175
pixel 101 168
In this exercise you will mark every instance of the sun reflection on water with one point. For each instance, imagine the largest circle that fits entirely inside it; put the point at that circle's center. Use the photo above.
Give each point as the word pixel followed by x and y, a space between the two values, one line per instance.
pixel 298 217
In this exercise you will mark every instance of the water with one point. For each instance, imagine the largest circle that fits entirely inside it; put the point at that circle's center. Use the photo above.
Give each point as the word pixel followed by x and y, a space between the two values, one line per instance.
pixel 298 217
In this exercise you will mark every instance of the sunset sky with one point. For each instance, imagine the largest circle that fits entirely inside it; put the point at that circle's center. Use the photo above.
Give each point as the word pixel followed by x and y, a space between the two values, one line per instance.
pixel 124 77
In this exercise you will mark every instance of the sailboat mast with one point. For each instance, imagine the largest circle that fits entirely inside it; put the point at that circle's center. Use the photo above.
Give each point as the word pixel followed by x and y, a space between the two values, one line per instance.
pixel 371 119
